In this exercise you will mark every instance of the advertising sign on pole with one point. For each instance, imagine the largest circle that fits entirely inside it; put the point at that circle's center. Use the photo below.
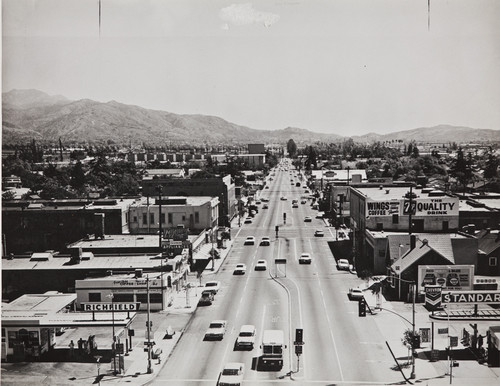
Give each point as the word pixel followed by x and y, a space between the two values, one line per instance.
pixel 449 277
pixel 433 297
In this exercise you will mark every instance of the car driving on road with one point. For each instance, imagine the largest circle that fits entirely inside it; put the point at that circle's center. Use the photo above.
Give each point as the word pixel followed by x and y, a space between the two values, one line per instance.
pixel 231 374
pixel 261 265
pixel 266 241
pixel 319 233
pixel 250 240
pixel 342 264
pixel 216 330
pixel 240 269
pixel 212 286
pixel 305 258
pixel 246 337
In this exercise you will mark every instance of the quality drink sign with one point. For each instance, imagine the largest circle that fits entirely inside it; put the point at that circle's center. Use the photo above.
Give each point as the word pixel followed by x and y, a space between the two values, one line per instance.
pixel 441 206
pixel 471 297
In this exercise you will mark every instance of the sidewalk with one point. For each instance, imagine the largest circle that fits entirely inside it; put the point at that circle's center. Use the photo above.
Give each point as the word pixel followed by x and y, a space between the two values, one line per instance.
pixel 469 370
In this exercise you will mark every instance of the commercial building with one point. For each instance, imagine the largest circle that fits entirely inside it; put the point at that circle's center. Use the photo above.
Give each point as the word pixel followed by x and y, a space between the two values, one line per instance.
pixel 221 187
pixel 39 225
pixel 31 324
pixel 193 213
pixel 132 288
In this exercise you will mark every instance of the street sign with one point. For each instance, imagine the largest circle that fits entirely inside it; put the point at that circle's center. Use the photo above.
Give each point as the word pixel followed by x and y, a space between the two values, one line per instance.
pixel 279 261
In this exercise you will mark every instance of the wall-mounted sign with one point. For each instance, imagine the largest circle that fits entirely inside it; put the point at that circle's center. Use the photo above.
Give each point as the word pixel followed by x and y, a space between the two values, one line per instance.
pixel 472 297
pixel 449 277
pixel 382 208
pixel 108 307
pixel 439 206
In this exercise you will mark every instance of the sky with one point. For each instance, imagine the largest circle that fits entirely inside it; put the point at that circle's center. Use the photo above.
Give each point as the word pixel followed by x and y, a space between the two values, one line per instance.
pixel 347 67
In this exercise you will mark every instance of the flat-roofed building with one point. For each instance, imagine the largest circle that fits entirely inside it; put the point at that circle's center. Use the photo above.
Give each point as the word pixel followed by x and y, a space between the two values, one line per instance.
pixel 194 213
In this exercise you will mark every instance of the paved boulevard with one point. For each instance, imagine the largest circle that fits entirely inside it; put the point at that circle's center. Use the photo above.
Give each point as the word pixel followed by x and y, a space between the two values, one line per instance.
pixel 340 347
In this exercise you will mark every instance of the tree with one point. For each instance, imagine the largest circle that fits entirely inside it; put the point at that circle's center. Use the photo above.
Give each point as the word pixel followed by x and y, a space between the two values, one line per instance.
pixel 491 167
pixel 291 148
pixel 461 170
pixel 77 176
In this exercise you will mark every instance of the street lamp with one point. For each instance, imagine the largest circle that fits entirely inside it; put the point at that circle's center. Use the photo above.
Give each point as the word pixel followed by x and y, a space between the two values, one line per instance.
pixel 113 344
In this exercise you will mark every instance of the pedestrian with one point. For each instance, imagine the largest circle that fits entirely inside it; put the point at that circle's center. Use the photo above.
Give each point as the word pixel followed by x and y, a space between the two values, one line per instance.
pixel 71 349
pixel 80 345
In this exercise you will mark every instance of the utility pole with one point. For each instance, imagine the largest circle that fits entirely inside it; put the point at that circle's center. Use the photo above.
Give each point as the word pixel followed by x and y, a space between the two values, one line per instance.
pixel 410 212
pixel 150 369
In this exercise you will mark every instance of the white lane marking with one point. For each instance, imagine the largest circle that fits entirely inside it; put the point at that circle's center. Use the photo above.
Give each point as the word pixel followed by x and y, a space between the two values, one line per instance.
pixel 267 381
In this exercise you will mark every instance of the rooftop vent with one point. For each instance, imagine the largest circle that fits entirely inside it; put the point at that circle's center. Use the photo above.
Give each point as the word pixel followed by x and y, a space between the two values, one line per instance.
pixel 436 193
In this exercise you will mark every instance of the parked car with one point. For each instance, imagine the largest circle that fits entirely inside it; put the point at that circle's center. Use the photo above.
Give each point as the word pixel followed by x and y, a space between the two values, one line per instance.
pixel 231 374
pixel 248 220
pixel 305 258
pixel 356 293
pixel 250 240
pixel 240 269
pixel 246 337
pixel 342 264
pixel 303 201
pixel 319 233
pixel 265 206
pixel 266 241
pixel 206 298
pixel 261 265
pixel 212 286
pixel 283 198
pixel 216 330
pixel 307 219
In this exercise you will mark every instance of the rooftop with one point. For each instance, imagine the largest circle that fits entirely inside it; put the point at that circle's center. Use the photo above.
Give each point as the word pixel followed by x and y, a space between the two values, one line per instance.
pixel 396 193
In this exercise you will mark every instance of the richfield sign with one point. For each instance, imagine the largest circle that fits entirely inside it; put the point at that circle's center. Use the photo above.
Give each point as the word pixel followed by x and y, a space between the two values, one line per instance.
pixel 107 307
pixel 472 297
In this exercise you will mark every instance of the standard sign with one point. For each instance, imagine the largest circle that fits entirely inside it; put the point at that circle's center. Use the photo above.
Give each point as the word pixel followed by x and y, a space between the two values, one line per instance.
pixel 106 307
pixel 472 297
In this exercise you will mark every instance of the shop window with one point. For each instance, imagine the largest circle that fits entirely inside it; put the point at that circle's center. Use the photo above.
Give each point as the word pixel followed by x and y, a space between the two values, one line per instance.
pixel 197 217
pixel 123 298
pixel 142 298
pixel 395 219
pixel 135 218
pixel 13 338
pixel 155 298
pixel 145 218
pixel 95 297
pixel 151 218
pixel 445 225
pixel 170 218
pixel 493 261
pixel 183 217
pixel 163 218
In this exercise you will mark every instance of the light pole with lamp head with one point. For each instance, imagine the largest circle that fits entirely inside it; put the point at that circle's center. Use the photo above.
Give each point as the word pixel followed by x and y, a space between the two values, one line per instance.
pixel 113 344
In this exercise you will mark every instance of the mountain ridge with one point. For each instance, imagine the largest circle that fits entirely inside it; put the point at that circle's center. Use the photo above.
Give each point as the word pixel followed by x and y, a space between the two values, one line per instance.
pixel 29 114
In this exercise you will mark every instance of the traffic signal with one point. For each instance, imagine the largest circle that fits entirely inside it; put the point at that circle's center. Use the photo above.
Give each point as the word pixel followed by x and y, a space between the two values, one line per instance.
pixel 299 335
pixel 361 307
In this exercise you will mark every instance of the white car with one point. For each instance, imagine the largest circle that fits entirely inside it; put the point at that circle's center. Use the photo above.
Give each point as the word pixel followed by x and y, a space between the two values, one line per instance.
pixel 240 269
pixel 305 258
pixel 342 264
pixel 231 374
pixel 307 219
pixel 266 241
pixel 246 337
pixel 319 233
pixel 216 330
pixel 261 265
pixel 248 220
pixel 250 240
pixel 356 293
pixel 283 198
pixel 212 286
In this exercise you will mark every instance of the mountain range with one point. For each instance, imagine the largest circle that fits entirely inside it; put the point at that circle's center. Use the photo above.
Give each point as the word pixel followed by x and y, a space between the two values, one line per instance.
pixel 32 114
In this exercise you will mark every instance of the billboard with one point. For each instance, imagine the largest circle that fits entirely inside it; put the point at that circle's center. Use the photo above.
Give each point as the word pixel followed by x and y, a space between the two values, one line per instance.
pixel 420 207
pixel 449 277
pixel 438 206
